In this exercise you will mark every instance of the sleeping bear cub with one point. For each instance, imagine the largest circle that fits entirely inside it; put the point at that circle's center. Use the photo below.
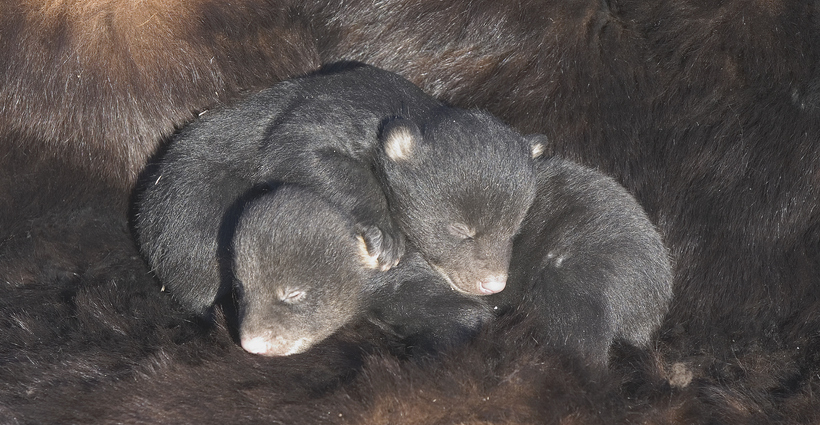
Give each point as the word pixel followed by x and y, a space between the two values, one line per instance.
pixel 455 183
pixel 588 267
pixel 301 270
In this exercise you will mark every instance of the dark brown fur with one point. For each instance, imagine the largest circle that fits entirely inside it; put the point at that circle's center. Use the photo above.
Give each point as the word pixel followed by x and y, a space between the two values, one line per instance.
pixel 100 84
pixel 707 112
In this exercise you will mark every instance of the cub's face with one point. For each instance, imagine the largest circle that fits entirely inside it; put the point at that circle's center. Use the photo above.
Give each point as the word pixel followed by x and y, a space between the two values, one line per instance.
pixel 301 273
pixel 460 188
pixel 284 311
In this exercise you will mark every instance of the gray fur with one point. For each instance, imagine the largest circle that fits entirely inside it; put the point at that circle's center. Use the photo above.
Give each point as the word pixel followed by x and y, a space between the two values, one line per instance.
pixel 588 263
pixel 323 132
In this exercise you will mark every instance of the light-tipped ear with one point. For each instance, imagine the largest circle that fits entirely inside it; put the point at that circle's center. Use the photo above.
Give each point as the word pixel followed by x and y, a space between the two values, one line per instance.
pixel 538 144
pixel 369 246
pixel 400 139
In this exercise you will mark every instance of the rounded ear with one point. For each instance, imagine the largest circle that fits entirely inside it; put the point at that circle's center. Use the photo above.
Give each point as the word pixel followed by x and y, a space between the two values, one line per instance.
pixel 538 144
pixel 400 138
pixel 370 245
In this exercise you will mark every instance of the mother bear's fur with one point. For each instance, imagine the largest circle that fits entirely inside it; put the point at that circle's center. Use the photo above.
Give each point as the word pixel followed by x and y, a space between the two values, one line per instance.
pixel 708 113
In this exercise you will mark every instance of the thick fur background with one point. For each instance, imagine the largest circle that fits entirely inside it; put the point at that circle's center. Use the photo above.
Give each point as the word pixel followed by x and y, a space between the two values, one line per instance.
pixel 709 112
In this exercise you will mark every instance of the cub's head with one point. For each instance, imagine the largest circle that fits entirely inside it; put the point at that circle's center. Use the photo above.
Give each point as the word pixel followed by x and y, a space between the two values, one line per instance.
pixel 459 187
pixel 301 271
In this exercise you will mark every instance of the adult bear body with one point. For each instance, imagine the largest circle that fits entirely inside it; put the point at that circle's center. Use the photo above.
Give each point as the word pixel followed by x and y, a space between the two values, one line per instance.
pixel 327 132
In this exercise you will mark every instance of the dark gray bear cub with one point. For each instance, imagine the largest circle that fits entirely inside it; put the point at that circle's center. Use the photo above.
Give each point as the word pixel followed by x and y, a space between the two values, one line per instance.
pixel 459 193
pixel 587 264
pixel 459 182
pixel 301 271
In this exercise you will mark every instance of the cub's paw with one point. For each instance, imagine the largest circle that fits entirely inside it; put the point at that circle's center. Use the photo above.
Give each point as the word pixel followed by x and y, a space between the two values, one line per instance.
pixel 383 250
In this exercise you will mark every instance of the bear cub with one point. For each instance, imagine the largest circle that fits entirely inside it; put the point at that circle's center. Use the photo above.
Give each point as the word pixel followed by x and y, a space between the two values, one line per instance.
pixel 301 270
pixel 455 183
pixel 588 265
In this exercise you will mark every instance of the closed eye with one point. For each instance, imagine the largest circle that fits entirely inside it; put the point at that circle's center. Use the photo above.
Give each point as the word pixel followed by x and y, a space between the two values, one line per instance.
pixel 461 231
pixel 293 297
